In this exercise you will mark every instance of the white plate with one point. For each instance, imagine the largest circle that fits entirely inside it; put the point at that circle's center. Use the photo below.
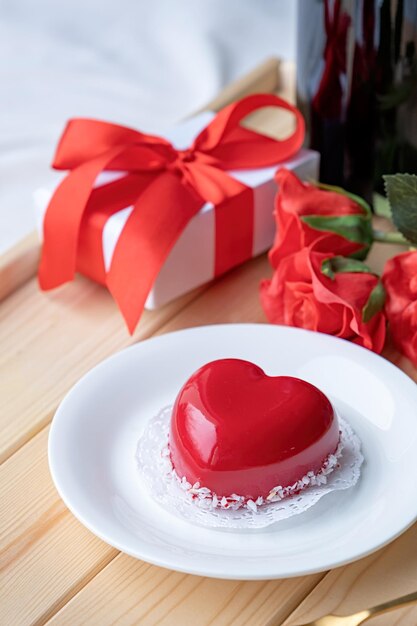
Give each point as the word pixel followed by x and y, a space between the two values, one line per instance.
pixel 94 434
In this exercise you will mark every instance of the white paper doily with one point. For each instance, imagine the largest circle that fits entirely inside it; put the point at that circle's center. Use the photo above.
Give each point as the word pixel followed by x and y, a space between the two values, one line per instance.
pixel 179 497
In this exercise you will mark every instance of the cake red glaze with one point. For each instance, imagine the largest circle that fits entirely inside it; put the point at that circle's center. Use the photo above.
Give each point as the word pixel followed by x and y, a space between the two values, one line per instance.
pixel 236 430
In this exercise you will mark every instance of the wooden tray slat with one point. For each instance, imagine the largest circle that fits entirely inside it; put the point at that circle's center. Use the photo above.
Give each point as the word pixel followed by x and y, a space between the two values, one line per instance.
pixel 50 340
pixel 18 264
pixel 269 76
pixel 46 555
pixel 385 575
pixel 131 592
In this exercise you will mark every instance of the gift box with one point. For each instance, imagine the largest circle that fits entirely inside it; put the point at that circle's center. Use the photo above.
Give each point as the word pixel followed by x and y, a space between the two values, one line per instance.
pixel 220 230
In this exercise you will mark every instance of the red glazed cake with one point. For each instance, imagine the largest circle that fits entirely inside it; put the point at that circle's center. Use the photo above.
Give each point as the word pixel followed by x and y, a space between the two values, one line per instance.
pixel 240 437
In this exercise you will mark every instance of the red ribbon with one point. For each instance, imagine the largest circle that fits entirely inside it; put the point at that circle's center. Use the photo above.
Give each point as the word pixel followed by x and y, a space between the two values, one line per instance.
pixel 167 187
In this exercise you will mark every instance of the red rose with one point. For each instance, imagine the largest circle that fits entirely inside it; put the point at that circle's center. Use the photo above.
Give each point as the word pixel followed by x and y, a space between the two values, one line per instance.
pixel 327 293
pixel 304 212
pixel 400 281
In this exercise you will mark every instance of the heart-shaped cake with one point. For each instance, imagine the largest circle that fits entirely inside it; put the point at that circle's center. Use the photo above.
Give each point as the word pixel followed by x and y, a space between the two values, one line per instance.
pixel 237 432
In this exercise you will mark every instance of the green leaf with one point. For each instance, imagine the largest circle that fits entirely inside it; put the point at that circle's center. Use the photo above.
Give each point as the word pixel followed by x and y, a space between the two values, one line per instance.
pixel 362 203
pixel 401 190
pixel 355 228
pixel 381 206
pixel 375 302
pixel 341 264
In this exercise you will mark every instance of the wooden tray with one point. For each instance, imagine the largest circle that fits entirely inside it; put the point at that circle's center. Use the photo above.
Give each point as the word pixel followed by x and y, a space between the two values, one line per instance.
pixel 51 568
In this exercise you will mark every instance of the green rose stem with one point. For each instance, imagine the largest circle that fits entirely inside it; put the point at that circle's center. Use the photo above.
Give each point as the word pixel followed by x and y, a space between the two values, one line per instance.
pixel 394 237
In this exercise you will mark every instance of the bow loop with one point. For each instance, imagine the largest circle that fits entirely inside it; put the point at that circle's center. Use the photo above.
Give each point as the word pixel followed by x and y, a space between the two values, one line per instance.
pixel 236 147
pixel 85 139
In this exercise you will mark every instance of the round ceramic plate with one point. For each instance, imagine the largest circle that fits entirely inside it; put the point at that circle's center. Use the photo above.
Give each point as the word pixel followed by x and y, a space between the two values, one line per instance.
pixel 94 434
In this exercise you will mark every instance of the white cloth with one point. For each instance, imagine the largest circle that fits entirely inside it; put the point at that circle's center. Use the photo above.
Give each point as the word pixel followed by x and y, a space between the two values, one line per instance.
pixel 136 62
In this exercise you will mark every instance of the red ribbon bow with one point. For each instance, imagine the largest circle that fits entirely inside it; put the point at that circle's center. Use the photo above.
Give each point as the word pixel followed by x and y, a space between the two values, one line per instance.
pixel 167 187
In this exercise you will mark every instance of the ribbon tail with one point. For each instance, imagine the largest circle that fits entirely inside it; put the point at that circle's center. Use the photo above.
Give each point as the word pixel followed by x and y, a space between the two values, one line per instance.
pixel 61 225
pixel 160 215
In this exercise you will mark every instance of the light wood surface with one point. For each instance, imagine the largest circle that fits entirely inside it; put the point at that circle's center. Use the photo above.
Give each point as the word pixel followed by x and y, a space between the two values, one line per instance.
pixel 46 555
pixel 18 264
pixel 144 594
pixel 52 570
pixel 385 575
pixel 48 340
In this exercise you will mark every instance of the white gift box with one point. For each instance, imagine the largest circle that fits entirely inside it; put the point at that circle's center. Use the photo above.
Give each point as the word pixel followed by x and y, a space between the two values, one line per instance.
pixel 190 263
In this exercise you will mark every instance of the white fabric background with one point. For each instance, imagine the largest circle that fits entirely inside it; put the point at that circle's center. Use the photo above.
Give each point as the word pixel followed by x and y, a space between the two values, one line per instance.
pixel 145 63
